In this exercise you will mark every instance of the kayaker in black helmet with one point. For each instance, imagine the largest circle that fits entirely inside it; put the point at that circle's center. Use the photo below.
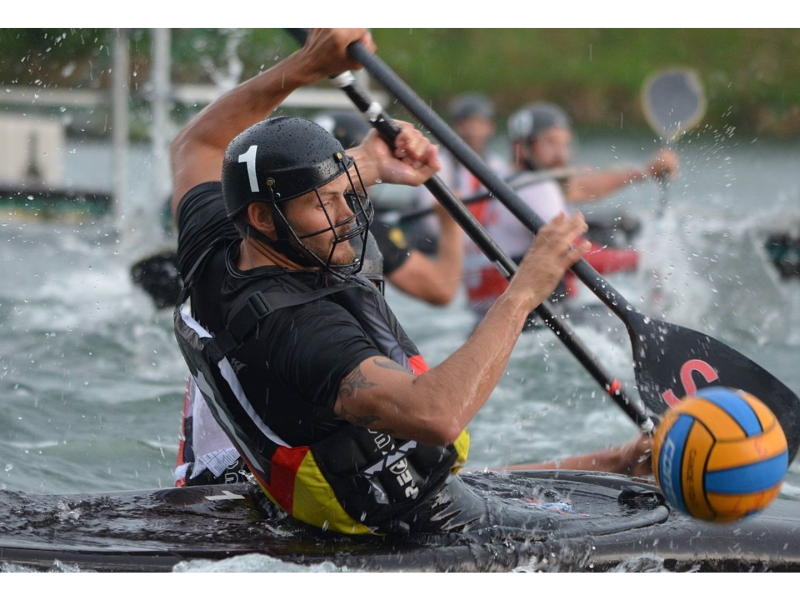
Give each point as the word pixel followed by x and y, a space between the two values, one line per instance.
pixel 300 359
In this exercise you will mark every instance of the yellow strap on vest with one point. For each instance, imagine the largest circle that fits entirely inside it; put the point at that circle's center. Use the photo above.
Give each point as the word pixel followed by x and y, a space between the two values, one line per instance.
pixel 462 448
pixel 316 504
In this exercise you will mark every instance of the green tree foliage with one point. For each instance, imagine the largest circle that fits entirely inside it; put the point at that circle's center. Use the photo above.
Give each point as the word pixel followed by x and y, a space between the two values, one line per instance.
pixel 752 76
pixel 66 57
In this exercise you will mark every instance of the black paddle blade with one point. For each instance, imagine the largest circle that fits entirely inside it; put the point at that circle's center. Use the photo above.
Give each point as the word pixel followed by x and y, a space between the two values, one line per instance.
pixel 158 276
pixel 672 362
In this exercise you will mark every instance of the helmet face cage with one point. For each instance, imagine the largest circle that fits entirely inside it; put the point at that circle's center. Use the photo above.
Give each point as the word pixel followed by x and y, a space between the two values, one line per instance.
pixel 357 226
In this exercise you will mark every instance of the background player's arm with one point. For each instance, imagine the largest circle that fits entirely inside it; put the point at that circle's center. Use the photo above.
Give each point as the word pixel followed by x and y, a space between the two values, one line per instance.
pixel 586 187
pixel 434 280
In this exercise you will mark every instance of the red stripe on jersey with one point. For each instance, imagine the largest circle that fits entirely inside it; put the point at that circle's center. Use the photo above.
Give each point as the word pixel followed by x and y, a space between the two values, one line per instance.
pixel 479 209
pixel 610 260
pixel 490 287
pixel 284 466
pixel 418 364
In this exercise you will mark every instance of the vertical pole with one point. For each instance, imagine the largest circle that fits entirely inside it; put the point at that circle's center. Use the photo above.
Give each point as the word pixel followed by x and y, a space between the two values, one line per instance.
pixel 120 93
pixel 162 130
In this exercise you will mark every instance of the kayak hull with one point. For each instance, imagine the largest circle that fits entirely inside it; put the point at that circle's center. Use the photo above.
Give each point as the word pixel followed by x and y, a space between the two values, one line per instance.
pixel 610 523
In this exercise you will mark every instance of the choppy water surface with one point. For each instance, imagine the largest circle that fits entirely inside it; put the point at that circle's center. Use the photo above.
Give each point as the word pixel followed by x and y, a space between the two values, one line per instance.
pixel 92 382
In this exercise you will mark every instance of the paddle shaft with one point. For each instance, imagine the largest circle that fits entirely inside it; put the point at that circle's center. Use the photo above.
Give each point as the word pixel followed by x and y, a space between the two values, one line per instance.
pixel 519 183
pixel 494 184
pixel 389 130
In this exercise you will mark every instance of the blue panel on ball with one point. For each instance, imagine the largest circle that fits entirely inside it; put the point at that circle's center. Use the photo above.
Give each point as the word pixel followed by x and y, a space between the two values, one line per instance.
pixel 670 460
pixel 736 406
pixel 749 479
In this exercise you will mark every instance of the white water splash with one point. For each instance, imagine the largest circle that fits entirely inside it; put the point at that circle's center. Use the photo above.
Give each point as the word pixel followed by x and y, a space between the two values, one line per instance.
pixel 66 513
pixel 253 563
pixel 711 273
pixel 57 567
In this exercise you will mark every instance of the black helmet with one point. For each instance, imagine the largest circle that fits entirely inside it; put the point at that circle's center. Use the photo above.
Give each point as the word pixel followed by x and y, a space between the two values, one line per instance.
pixel 347 126
pixel 471 104
pixel 278 159
pixel 532 119
pixel 281 158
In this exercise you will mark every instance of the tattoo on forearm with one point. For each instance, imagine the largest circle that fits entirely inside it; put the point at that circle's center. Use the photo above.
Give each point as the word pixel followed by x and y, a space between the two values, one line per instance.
pixel 353 382
pixel 391 365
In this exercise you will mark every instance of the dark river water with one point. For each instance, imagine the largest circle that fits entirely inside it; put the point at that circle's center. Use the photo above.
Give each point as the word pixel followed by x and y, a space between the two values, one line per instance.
pixel 91 380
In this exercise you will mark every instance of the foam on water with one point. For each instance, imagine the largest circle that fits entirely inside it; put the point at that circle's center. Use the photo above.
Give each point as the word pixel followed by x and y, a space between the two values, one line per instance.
pixel 57 567
pixel 645 563
pixel 254 563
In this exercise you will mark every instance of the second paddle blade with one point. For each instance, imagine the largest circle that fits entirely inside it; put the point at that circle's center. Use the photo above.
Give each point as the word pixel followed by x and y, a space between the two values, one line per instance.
pixel 672 362
pixel 673 102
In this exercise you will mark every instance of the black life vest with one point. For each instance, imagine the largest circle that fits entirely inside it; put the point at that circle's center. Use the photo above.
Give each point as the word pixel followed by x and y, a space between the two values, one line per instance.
pixel 355 480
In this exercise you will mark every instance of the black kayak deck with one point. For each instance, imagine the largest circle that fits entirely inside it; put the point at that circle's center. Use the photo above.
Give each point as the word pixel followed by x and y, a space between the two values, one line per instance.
pixel 580 522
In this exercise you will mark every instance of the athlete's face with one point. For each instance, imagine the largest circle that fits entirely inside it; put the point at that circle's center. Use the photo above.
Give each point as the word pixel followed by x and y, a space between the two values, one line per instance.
pixel 551 148
pixel 309 214
pixel 476 131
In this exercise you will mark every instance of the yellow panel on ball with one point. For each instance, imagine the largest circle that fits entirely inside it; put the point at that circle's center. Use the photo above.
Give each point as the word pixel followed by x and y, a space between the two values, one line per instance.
pixel 734 507
pixel 699 445
pixel 725 427
pixel 728 455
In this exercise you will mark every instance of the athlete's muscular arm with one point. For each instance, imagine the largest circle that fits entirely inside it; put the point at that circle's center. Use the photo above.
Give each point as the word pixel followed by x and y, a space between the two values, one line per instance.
pixel 597 185
pixel 433 408
pixel 197 151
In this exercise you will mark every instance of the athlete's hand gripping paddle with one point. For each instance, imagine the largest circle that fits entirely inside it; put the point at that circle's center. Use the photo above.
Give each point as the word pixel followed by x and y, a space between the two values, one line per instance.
pixel 389 130
pixel 669 361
